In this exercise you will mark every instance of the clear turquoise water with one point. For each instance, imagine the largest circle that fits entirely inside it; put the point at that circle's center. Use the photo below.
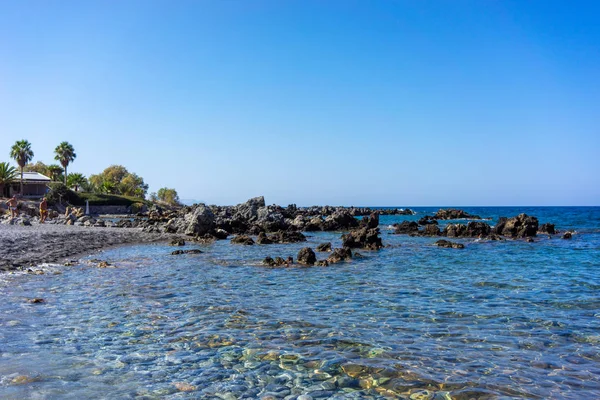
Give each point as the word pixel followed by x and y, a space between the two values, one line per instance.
pixel 495 320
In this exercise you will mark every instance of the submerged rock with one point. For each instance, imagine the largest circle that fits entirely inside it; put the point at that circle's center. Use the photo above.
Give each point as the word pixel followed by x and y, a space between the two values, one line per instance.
pixel 191 251
pixel 406 227
pixel 449 244
pixel 567 235
pixel 338 255
pixel 243 239
pixel 324 247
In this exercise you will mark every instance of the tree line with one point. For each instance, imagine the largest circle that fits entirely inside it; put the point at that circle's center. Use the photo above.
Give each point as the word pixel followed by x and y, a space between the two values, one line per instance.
pixel 115 179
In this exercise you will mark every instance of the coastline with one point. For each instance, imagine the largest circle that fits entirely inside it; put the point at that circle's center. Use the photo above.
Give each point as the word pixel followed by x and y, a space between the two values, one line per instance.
pixel 25 246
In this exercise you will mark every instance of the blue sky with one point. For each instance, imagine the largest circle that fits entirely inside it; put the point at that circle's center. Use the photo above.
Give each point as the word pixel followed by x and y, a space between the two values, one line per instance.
pixel 314 102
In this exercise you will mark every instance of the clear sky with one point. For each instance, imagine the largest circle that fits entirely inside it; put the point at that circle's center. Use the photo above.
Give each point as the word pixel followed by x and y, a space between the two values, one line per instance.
pixel 314 102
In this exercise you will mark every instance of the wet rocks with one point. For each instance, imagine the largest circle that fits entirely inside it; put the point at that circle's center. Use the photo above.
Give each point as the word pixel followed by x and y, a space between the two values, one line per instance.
pixel 243 239
pixel 263 239
pixel 278 262
pixel 431 230
pixel 339 255
pixel 306 256
pixel 363 238
pixel 191 251
pixel 478 229
pixel 324 247
pixel 426 220
pixel 339 220
pixel 406 227
pixel 453 213
pixel 287 237
pixel 177 242
pixel 567 235
pixel 547 228
pixel 448 244
pixel 520 226
pixel 455 230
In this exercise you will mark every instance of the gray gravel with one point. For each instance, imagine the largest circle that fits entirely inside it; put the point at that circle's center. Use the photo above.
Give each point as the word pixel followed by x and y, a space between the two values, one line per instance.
pixel 24 246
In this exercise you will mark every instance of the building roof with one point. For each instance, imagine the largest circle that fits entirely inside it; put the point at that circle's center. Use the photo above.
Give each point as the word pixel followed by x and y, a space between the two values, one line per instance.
pixel 34 177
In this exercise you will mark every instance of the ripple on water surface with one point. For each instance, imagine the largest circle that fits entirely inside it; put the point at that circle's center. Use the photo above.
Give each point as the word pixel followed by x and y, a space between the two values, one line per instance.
pixel 495 320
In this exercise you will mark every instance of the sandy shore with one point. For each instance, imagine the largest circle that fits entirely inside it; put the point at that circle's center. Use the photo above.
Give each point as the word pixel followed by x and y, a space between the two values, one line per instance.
pixel 24 246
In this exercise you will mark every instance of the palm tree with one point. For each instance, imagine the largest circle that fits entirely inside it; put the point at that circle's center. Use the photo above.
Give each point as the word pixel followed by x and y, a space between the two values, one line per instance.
pixel 21 152
pixel 54 170
pixel 8 174
pixel 76 180
pixel 65 154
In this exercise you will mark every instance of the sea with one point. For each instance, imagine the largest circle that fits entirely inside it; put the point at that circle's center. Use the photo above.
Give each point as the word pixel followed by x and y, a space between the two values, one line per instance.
pixel 495 320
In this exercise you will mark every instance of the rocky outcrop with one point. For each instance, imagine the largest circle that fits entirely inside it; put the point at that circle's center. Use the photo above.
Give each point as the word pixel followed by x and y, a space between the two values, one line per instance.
pixel 339 255
pixel 287 237
pixel 263 239
pixel 520 226
pixel 338 221
pixel 324 247
pixel 199 221
pixel 567 235
pixel 406 227
pixel 249 210
pixel 453 213
pixel 363 238
pixel 431 230
pixel 547 228
pixel 306 256
pixel 278 262
pixel 426 220
pixel 455 230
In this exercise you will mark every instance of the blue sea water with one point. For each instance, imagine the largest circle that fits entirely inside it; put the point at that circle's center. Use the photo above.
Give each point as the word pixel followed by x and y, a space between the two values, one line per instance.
pixel 496 320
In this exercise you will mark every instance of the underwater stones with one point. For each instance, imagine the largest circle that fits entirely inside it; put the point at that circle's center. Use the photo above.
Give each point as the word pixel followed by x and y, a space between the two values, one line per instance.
pixel 406 227
pixel 184 387
pixel 243 239
pixel 338 255
pixel 177 242
pixel 306 256
pixel 567 235
pixel 191 251
pixel 448 244
pixel 547 228
pixel 324 247
pixel 453 213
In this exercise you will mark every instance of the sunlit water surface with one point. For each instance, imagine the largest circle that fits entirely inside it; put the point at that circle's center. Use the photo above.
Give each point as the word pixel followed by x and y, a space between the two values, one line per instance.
pixel 495 320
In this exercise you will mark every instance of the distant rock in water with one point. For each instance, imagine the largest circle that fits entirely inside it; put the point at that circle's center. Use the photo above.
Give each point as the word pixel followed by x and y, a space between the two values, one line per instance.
pixel 406 227
pixel 547 228
pixel 520 226
pixel 339 255
pixel 567 235
pixel 453 213
pixel 449 244
pixel 243 239
pixel 324 247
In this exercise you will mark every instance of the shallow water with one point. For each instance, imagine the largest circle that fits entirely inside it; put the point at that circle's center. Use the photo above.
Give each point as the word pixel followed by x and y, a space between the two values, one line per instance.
pixel 495 320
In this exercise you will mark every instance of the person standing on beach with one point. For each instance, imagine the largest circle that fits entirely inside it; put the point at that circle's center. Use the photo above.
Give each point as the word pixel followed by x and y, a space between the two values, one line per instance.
pixel 43 210
pixel 12 206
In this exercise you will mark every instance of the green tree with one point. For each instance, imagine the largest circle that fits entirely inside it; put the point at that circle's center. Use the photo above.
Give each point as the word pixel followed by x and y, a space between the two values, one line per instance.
pixel 133 185
pixel 39 167
pixel 76 180
pixel 114 174
pixel 8 174
pixel 168 196
pixel 21 152
pixel 65 154
pixel 55 171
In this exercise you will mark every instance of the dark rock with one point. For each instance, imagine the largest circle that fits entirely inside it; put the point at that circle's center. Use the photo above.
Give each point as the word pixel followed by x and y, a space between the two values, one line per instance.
pixel 339 220
pixel 517 227
pixel 242 239
pixel 370 222
pixel 448 244
pixel 322 263
pixel 478 229
pixel 263 239
pixel 453 213
pixel 363 238
pixel 547 228
pixel 36 301
pixel 191 251
pixel 567 235
pixel 306 256
pixel 530 240
pixel 431 230
pixel 426 220
pixel 406 227
pixel 324 247
pixel 455 230
pixel 287 237
pixel 343 254
pixel 177 242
